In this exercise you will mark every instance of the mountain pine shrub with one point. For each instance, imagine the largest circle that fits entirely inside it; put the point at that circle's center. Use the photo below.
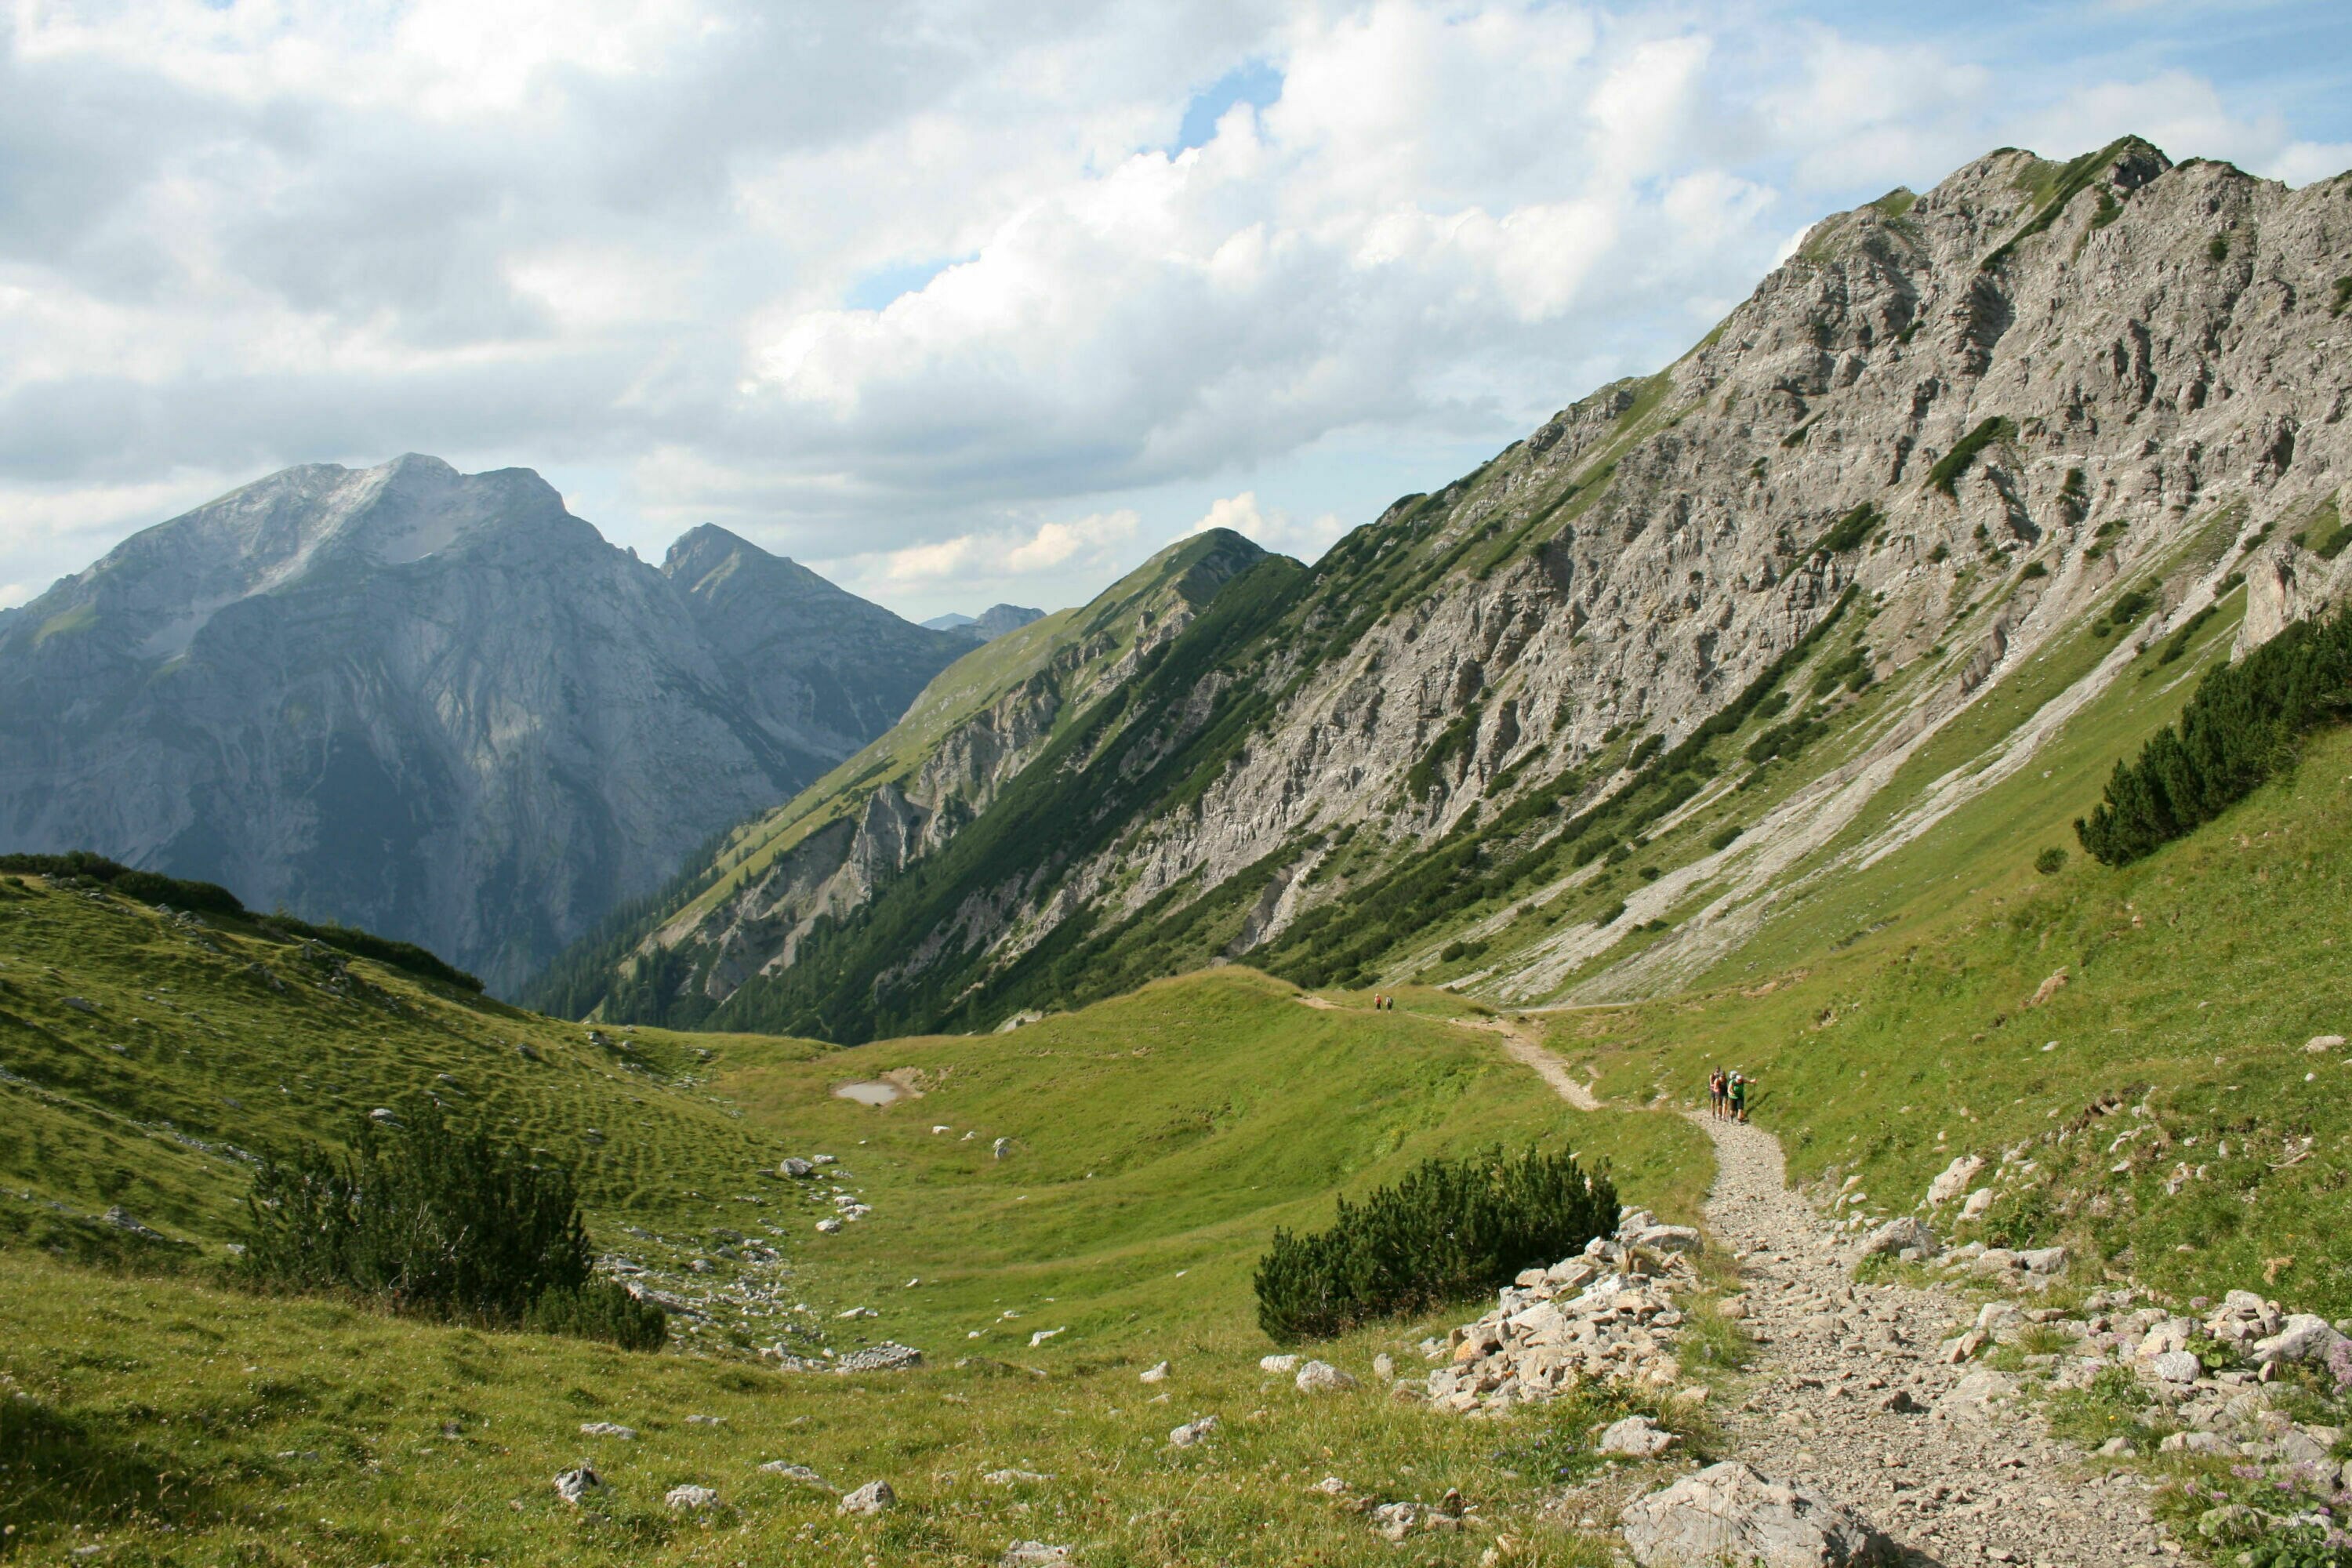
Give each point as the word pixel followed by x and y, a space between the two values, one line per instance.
pixel 1450 1230
pixel 439 1222
pixel 1948 469
pixel 2238 730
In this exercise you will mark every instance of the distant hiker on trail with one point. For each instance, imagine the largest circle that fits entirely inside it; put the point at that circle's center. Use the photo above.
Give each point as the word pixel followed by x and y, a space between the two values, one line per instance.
pixel 1715 1087
pixel 1739 1082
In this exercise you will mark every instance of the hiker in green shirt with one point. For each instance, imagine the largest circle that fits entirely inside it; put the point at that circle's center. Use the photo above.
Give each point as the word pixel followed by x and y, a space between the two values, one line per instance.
pixel 1739 1082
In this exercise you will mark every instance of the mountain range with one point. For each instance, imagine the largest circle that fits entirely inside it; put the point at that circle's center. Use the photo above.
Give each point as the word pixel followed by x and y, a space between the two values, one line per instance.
pixel 1586 723
pixel 432 703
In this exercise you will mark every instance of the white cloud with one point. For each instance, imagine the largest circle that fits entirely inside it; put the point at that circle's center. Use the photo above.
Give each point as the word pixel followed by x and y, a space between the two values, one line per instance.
pixel 1003 556
pixel 1271 526
pixel 616 239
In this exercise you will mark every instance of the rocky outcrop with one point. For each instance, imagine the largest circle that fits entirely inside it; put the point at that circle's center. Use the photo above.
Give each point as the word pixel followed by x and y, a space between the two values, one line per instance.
pixel 434 704
pixel 1949 429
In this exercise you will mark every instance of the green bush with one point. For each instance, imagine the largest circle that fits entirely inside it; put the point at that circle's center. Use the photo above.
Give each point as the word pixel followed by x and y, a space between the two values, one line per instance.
pixel 2050 861
pixel 433 1221
pixel 2238 730
pixel 1450 1230
pixel 599 1309
pixel 1852 530
pixel 1724 837
pixel 147 887
pixel 1954 463
pixel 2033 569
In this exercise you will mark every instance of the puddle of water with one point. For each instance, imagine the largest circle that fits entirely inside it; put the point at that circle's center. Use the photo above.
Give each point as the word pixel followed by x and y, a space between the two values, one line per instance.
pixel 870 1093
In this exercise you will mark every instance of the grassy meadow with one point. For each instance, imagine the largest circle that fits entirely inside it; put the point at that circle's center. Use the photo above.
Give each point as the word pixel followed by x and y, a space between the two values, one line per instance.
pixel 153 1412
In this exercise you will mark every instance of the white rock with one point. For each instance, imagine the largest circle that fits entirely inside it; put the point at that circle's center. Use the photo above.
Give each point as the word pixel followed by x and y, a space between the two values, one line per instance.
pixel 1277 1363
pixel 574 1485
pixel 1897 1234
pixel 1670 1238
pixel 1384 1366
pixel 607 1429
pixel 1954 1180
pixel 1979 1202
pixel 1156 1373
pixel 2302 1338
pixel 2319 1043
pixel 2043 1260
pixel 873 1497
pixel 1015 1478
pixel 1322 1377
pixel 2178 1366
pixel 829 1226
pixel 1729 1514
pixel 1636 1435
pixel 689 1499
pixel 1032 1554
pixel 1193 1432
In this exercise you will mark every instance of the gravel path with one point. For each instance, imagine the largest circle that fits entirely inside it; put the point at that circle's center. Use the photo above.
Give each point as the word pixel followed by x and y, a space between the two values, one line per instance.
pixel 1970 1475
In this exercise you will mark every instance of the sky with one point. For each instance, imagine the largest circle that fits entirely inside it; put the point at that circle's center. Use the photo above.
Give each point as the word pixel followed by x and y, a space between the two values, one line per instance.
pixel 961 301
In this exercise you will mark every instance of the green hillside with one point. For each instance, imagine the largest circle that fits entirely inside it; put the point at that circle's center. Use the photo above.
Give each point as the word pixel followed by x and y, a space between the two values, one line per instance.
pixel 1154 1143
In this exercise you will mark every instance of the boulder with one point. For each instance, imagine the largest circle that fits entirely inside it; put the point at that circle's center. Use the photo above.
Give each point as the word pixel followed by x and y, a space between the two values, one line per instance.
pixel 2043 1260
pixel 690 1500
pixel 1898 1234
pixel 1977 1203
pixel 1032 1554
pixel 1384 1366
pixel 1277 1363
pixel 2304 1337
pixel 572 1485
pixel 873 1497
pixel 795 1167
pixel 2196 1443
pixel 829 1226
pixel 2319 1043
pixel 1156 1373
pixel 2178 1366
pixel 1193 1433
pixel 1954 1180
pixel 1670 1238
pixel 1730 1513
pixel 1979 1397
pixel 1322 1377
pixel 607 1429
pixel 1636 1436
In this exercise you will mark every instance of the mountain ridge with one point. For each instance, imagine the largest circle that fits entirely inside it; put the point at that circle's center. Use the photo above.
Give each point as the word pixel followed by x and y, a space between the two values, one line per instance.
pixel 435 704
pixel 1968 422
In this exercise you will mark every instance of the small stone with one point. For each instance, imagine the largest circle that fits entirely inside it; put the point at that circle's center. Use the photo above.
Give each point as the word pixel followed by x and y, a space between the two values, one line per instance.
pixel 1015 1478
pixel 873 1497
pixel 690 1500
pixel 1032 1554
pixel 705 1421
pixel 1329 1486
pixel 795 1167
pixel 1636 1436
pixel 1156 1373
pixel 574 1485
pixel 1277 1363
pixel 1897 1234
pixel 2116 1448
pixel 607 1429
pixel 829 1226
pixel 2178 1366
pixel 1322 1377
pixel 1193 1433
pixel 1384 1366
pixel 2319 1043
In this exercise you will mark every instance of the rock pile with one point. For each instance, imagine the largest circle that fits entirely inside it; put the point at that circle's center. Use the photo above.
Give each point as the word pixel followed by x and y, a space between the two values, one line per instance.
pixel 1608 1315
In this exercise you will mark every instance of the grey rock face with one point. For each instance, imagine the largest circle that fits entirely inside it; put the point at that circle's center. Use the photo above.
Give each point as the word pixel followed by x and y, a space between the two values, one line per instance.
pixel 432 704
pixel 1976 418
pixel 1729 1514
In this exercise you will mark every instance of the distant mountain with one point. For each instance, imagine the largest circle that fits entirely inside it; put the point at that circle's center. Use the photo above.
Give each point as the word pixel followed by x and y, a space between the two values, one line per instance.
pixel 432 703
pixel 989 624
pixel 1971 474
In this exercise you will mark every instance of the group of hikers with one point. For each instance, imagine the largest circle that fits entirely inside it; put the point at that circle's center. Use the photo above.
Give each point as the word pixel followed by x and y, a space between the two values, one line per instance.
pixel 1383 1003
pixel 1727 1094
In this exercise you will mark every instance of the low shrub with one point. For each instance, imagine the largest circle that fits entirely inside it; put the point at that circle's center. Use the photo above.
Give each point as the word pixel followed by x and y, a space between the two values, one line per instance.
pixel 1450 1230
pixel 435 1221
pixel 2050 861
pixel 1948 469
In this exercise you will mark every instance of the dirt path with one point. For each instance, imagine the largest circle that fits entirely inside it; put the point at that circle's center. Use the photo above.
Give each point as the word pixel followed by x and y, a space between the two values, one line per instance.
pixel 1972 1475
pixel 1525 1046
